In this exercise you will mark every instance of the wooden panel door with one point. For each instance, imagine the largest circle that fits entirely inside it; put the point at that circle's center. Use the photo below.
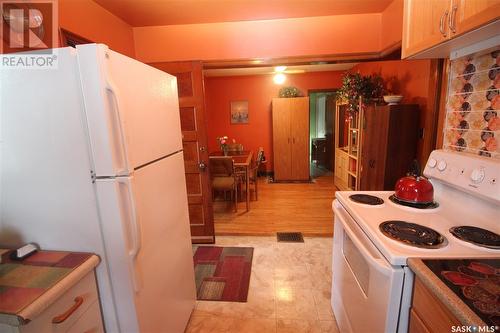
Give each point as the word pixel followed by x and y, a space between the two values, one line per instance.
pixel 194 140
pixel 299 127
pixel 373 148
pixel 422 23
pixel 282 138
pixel 471 14
pixel 402 141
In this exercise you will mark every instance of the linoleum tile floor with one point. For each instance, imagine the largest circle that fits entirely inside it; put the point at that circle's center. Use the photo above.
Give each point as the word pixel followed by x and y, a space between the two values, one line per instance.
pixel 289 290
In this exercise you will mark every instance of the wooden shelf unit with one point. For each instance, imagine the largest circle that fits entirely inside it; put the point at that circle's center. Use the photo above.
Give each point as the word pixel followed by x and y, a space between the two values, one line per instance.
pixel 375 146
pixel 347 143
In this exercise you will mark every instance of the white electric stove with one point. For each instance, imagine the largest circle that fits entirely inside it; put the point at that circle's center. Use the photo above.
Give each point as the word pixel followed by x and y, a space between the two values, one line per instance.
pixel 372 285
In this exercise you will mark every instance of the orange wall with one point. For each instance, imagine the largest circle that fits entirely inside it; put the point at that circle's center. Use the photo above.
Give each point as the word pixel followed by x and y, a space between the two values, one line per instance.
pixel 392 24
pixel 258 90
pixel 409 78
pixel 87 19
pixel 322 35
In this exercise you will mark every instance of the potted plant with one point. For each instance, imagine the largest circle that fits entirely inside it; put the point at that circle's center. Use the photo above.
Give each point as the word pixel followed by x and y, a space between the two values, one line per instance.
pixel 355 86
pixel 289 92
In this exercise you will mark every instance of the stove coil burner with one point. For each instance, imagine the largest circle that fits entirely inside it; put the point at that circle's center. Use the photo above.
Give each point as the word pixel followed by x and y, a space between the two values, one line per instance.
pixel 412 234
pixel 366 199
pixel 477 236
pixel 414 204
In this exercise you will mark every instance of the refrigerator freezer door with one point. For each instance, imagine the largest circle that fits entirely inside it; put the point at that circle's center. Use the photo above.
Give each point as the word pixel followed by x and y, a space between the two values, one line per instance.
pixel 46 190
pixel 132 110
pixel 164 271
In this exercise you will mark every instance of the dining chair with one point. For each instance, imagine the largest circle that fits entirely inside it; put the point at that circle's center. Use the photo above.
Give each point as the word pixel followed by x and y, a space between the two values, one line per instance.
pixel 254 172
pixel 224 177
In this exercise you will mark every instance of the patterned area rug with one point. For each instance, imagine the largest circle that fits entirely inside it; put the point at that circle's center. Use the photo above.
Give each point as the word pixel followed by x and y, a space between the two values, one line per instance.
pixel 222 273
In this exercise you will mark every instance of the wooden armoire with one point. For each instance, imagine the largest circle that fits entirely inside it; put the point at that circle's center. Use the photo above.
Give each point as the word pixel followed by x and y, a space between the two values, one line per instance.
pixel 388 145
pixel 291 138
pixel 374 147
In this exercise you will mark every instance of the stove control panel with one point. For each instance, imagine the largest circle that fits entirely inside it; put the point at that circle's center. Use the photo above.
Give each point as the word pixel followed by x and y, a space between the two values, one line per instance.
pixel 471 173
pixel 442 165
pixel 431 163
pixel 477 175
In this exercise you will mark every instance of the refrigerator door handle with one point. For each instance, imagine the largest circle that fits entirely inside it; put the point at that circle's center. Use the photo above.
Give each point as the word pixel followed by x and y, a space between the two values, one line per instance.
pixel 134 227
pixel 117 124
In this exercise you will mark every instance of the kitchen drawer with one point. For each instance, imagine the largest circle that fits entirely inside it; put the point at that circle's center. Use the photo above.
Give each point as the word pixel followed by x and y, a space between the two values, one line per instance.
pixel 84 289
pixel 433 314
pixel 89 322
pixel 416 324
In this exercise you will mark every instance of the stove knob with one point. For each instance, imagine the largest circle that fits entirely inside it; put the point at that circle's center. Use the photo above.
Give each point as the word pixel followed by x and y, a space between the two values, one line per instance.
pixel 431 163
pixel 442 165
pixel 477 175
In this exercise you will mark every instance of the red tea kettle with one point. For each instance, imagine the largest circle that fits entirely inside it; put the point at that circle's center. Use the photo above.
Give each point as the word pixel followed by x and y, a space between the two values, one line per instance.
pixel 414 188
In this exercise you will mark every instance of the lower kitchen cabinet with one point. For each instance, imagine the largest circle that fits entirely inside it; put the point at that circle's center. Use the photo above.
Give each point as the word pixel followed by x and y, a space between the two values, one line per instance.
pixel 428 314
pixel 77 310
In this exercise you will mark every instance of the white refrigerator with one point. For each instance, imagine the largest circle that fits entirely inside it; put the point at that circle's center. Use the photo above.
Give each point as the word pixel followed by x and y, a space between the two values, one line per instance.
pixel 91 160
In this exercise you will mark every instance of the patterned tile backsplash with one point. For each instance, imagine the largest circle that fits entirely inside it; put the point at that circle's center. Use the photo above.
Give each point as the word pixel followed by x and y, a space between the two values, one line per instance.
pixel 472 123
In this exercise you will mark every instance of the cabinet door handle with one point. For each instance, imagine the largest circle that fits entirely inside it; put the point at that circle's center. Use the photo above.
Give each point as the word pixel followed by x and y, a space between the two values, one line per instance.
pixel 451 20
pixel 63 316
pixel 441 23
pixel 293 140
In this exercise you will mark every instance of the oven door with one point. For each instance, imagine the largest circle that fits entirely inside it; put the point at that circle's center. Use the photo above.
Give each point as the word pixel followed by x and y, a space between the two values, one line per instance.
pixel 366 289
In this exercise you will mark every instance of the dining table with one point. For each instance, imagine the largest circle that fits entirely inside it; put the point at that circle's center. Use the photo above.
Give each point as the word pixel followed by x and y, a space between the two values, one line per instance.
pixel 243 161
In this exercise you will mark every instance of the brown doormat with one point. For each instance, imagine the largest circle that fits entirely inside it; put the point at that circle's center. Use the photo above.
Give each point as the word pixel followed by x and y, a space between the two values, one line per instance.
pixel 222 273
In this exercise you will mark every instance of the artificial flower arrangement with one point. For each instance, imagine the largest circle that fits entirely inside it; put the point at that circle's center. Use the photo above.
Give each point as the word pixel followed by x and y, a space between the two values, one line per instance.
pixel 355 86
pixel 222 140
pixel 289 92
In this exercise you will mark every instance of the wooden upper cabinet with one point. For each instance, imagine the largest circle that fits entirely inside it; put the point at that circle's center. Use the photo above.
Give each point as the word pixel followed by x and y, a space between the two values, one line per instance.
pixel 425 24
pixel 428 23
pixel 471 14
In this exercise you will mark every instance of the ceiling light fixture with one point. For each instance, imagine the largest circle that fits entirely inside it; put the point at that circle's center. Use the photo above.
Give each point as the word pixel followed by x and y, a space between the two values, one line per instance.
pixel 279 78
pixel 279 69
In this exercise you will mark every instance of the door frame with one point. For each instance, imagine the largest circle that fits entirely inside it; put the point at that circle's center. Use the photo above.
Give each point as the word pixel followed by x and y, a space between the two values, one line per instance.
pixel 314 91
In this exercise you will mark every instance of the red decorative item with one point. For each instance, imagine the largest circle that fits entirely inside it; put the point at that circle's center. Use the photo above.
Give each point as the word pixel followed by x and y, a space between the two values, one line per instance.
pixel 482 268
pixel 459 279
pixel 414 188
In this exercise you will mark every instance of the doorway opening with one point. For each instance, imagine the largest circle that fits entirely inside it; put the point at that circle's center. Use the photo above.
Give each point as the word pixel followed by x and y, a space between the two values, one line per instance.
pixel 321 131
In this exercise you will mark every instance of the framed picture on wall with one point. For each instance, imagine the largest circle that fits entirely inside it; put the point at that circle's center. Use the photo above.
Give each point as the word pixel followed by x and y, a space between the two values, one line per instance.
pixel 239 112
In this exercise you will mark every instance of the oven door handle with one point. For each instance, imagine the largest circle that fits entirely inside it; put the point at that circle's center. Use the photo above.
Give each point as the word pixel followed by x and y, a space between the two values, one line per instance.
pixel 363 244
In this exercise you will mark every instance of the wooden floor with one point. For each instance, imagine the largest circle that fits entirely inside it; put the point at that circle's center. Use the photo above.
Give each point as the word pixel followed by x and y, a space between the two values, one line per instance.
pixel 302 207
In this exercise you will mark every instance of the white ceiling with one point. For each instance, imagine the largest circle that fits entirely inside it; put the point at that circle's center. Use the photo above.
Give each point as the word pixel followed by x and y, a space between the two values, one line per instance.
pixel 270 70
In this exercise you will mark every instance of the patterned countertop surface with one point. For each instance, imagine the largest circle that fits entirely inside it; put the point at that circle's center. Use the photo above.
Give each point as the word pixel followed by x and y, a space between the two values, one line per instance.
pixel 469 288
pixel 24 281
pixel 475 281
